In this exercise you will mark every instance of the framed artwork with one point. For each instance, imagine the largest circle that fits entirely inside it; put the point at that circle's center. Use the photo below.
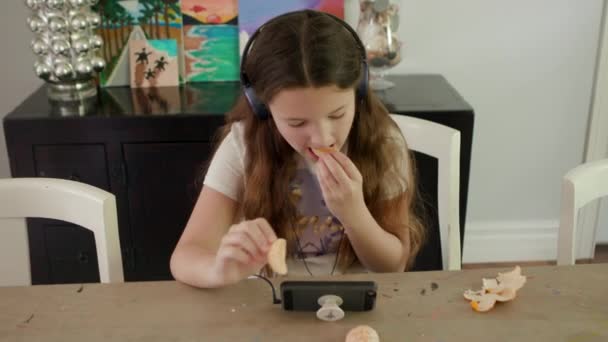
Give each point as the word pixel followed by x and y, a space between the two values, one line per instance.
pixel 253 13
pixel 153 63
pixel 123 21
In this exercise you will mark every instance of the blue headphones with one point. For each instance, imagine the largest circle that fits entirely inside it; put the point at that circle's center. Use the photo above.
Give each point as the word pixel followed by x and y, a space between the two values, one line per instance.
pixel 257 106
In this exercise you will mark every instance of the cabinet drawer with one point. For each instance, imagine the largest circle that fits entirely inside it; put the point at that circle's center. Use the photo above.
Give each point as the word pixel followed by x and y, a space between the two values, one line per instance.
pixel 70 253
pixel 82 163
pixel 162 190
pixel 61 252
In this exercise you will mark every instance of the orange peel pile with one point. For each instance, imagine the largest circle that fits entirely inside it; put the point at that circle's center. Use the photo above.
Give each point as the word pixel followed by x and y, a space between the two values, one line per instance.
pixel 503 288
pixel 276 256
pixel 362 333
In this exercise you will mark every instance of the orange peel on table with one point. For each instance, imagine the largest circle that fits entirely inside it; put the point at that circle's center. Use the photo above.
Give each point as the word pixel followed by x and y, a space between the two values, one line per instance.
pixel 503 288
pixel 276 256
pixel 362 333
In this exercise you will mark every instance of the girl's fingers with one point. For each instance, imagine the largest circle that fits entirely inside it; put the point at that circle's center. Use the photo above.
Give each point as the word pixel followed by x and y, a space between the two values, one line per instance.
pixel 326 187
pixel 266 229
pixel 347 165
pixel 234 253
pixel 256 235
pixel 325 174
pixel 243 241
pixel 335 168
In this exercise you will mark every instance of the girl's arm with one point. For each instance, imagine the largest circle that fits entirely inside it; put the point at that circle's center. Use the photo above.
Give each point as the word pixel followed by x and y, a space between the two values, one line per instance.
pixel 377 249
pixel 341 184
pixel 195 252
pixel 213 252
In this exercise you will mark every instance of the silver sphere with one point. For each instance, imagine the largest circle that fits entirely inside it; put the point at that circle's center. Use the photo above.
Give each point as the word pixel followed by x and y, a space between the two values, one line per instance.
pixel 78 3
pixel 55 4
pixel 43 70
pixel 33 4
pixel 58 36
pixel 40 47
pixel 81 45
pixel 61 47
pixel 63 71
pixel 94 19
pixel 84 68
pixel 72 12
pixel 58 24
pixel 96 42
pixel 79 22
pixel 57 60
pixel 74 36
pixel 36 24
pixel 98 63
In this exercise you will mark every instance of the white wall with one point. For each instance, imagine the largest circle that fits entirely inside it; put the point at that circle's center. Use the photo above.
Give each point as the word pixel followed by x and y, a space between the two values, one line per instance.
pixel 527 68
pixel 17 81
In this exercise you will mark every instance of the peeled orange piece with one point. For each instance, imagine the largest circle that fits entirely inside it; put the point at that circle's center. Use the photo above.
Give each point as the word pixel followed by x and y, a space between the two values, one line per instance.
pixel 276 256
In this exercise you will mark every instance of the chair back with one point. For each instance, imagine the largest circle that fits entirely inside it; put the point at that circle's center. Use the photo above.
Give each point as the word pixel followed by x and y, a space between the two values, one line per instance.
pixel 580 186
pixel 70 201
pixel 442 143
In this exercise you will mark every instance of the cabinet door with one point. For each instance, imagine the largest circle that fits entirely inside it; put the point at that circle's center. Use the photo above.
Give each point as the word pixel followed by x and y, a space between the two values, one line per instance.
pixel 62 252
pixel 163 181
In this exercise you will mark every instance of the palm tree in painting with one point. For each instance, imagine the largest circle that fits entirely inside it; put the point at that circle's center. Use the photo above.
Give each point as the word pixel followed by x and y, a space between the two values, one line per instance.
pixel 145 21
pixel 172 5
pixel 126 20
pixel 100 8
pixel 152 7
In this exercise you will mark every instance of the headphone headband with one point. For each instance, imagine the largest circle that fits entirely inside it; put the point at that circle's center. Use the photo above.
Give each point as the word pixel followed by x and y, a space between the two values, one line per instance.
pixel 258 107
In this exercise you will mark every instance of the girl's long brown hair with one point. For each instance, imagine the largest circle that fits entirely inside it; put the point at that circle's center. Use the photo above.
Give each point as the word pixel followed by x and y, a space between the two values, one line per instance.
pixel 310 49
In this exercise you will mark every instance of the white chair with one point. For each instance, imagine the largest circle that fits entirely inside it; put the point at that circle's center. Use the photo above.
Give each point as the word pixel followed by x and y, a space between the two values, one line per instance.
pixel 70 201
pixel 443 143
pixel 580 186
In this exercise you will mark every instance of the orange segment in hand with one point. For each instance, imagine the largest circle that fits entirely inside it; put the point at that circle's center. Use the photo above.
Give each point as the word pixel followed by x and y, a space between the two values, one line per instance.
pixel 276 256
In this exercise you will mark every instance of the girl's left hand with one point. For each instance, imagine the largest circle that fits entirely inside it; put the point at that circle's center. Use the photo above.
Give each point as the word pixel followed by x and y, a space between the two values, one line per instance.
pixel 342 186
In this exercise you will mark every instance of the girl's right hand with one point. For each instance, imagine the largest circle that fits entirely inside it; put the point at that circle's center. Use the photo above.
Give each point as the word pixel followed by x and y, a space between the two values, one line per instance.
pixel 243 250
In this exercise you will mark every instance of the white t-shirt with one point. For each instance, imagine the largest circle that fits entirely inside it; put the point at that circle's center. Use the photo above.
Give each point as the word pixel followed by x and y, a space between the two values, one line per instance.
pixel 319 232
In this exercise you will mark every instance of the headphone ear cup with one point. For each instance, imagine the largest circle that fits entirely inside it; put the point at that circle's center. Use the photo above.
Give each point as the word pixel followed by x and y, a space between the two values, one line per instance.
pixel 362 89
pixel 258 108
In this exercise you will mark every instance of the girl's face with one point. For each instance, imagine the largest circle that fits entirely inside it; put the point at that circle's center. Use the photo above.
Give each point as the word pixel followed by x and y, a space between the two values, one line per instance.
pixel 314 117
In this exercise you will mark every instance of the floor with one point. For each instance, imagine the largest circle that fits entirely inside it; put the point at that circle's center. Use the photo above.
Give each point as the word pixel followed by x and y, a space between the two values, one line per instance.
pixel 601 256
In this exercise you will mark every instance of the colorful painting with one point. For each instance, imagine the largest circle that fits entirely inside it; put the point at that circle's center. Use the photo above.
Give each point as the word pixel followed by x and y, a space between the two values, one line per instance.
pixel 253 13
pixel 125 20
pixel 211 53
pixel 153 63
pixel 210 12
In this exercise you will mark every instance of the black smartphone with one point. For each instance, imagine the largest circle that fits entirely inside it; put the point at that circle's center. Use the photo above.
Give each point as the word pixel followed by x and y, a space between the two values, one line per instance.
pixel 304 295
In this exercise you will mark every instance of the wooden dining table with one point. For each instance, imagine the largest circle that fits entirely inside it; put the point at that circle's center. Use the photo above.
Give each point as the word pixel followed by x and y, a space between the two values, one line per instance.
pixel 557 303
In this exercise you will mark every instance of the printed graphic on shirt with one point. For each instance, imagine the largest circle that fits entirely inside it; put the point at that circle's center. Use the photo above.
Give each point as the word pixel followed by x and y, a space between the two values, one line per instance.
pixel 318 231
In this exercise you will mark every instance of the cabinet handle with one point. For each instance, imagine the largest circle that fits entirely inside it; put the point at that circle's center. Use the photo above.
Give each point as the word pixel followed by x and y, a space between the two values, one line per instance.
pixel 83 258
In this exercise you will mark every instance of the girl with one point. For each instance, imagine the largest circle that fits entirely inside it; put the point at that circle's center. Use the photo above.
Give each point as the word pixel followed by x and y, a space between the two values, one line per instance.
pixel 347 210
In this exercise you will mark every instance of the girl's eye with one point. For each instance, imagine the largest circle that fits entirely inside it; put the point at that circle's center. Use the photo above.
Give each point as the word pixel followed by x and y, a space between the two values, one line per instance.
pixel 296 123
pixel 337 116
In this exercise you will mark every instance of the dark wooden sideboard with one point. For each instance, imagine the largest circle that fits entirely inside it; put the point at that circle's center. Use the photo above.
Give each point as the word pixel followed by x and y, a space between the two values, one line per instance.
pixel 149 147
